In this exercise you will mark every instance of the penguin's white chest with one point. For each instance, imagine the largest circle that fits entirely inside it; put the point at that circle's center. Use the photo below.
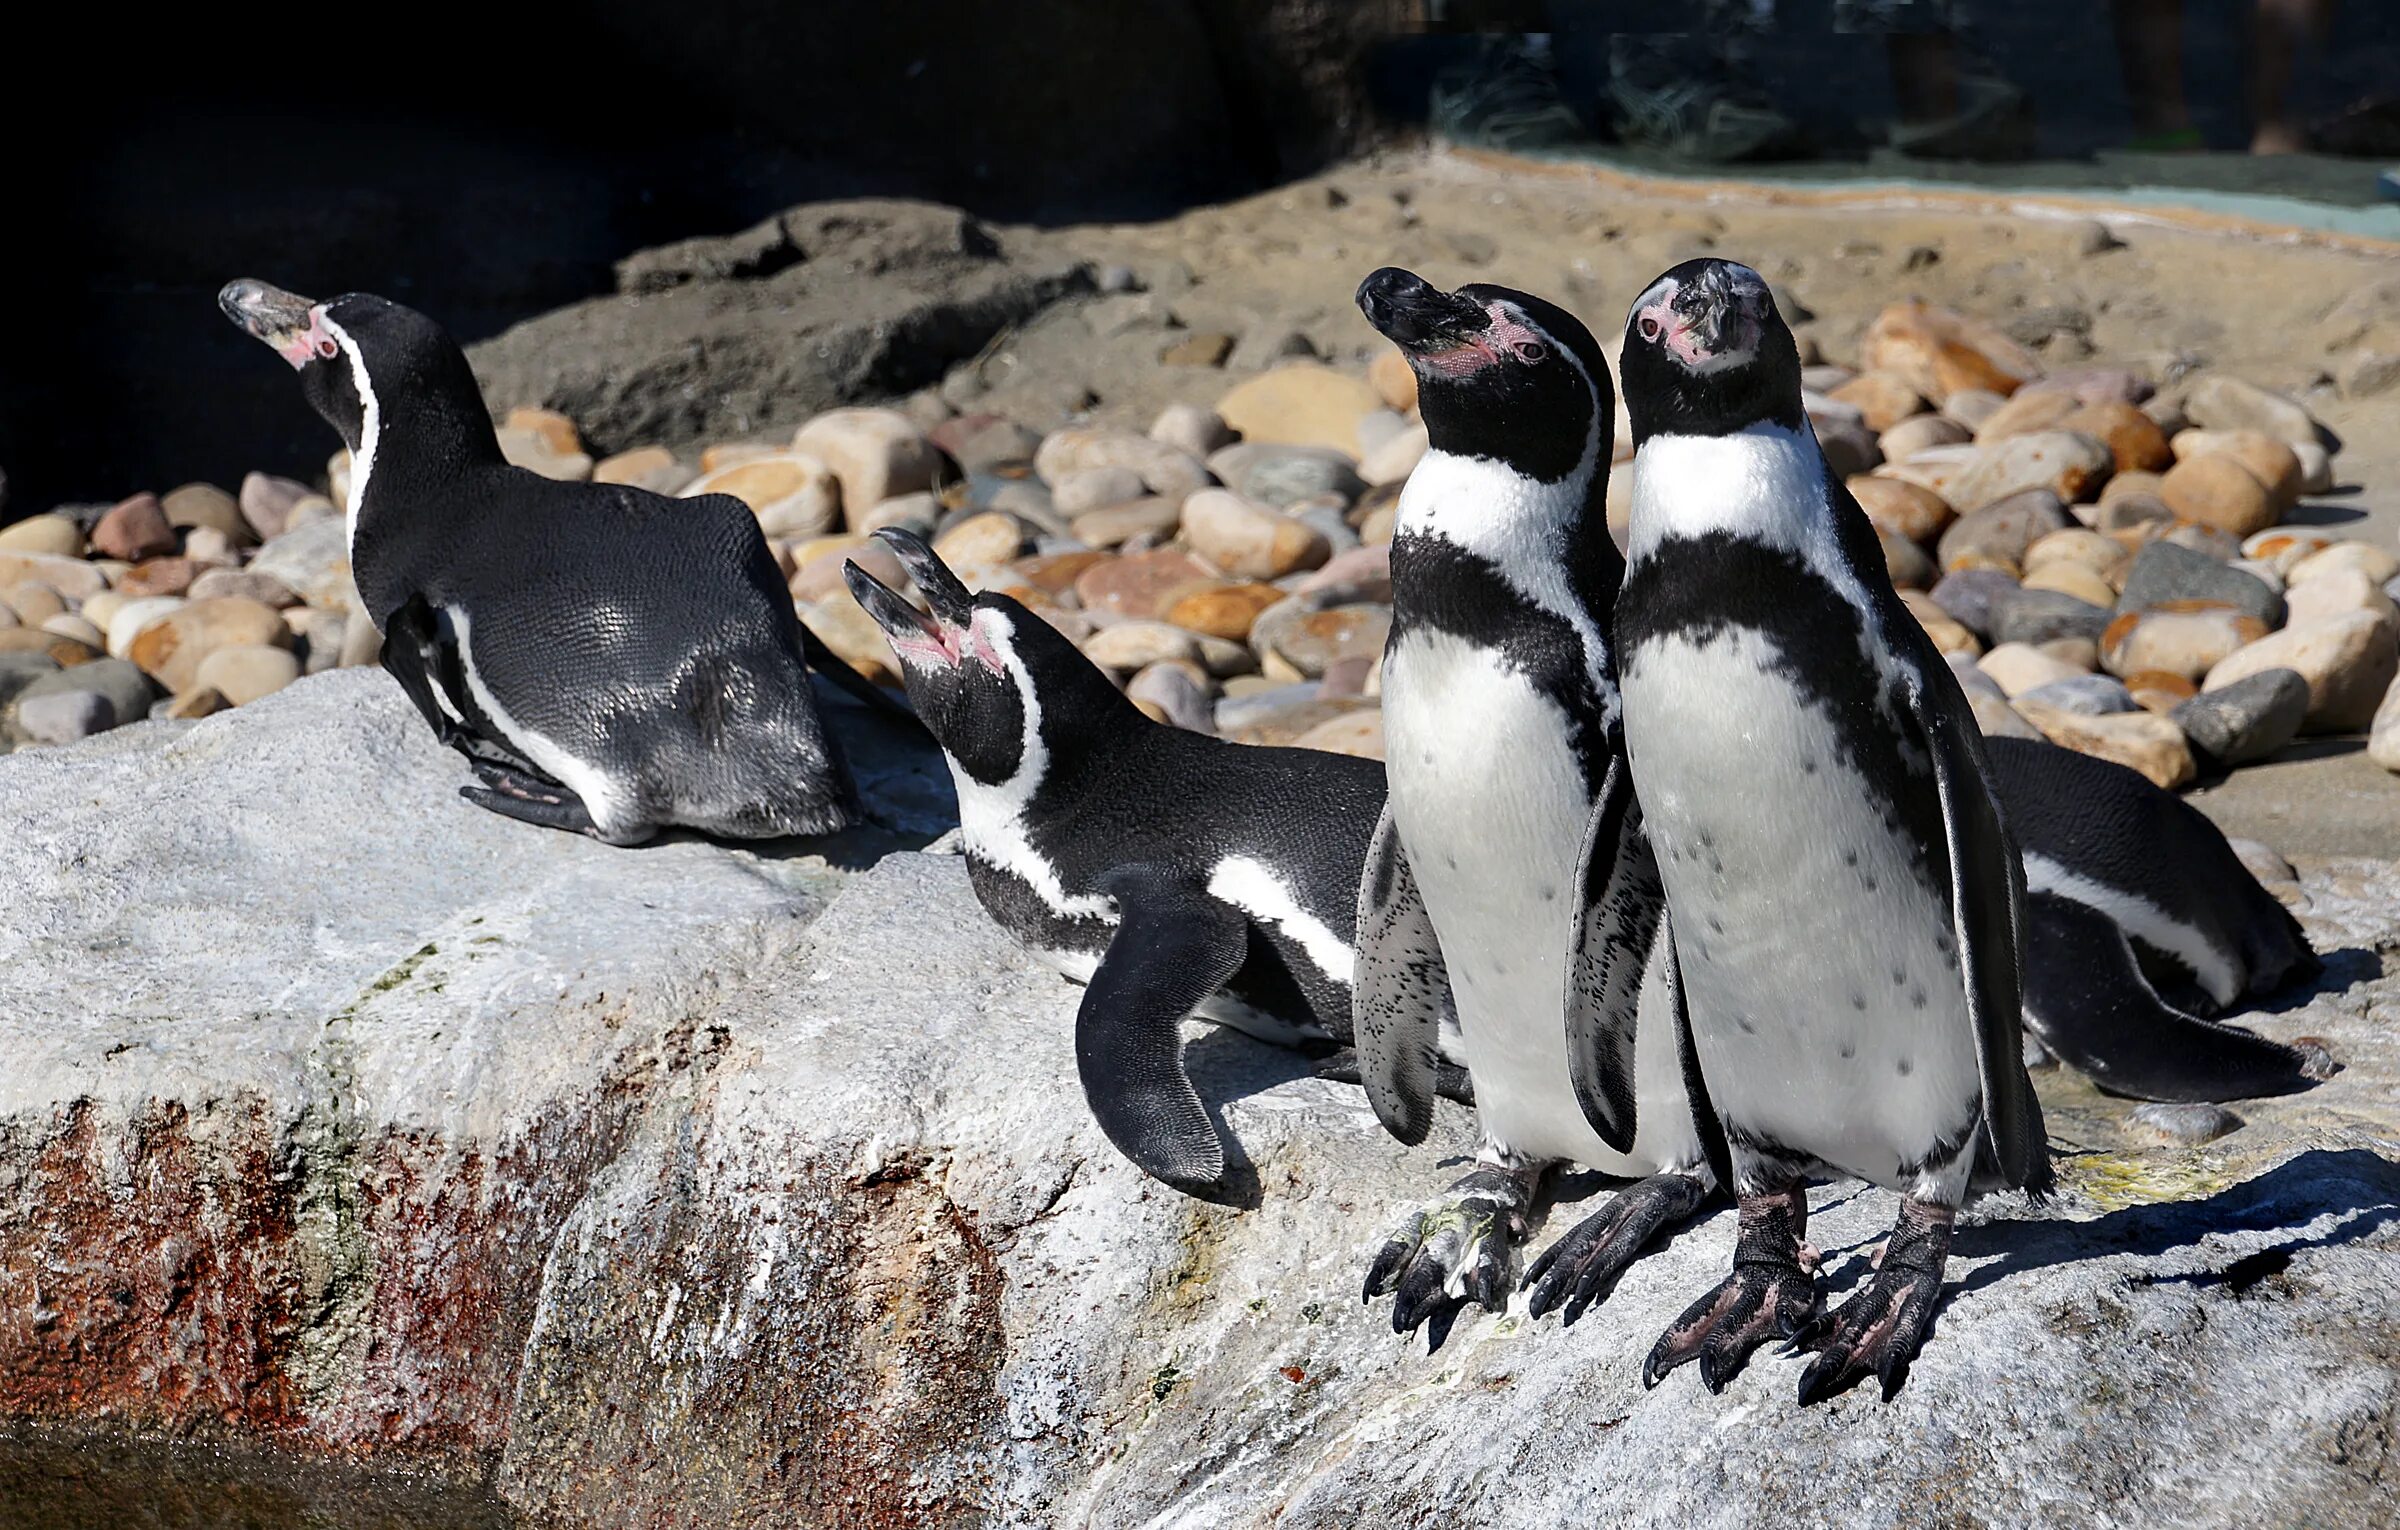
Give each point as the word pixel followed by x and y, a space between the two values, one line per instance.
pixel 1819 960
pixel 1490 805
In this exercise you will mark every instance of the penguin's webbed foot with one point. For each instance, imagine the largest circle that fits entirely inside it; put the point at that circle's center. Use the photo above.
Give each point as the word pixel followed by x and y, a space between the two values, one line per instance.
pixel 1884 1323
pixel 1582 1268
pixel 1771 1293
pixel 529 799
pixel 1460 1247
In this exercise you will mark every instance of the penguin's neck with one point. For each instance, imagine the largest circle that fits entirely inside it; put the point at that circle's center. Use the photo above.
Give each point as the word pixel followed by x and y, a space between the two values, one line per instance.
pixel 1765 483
pixel 1548 540
pixel 417 439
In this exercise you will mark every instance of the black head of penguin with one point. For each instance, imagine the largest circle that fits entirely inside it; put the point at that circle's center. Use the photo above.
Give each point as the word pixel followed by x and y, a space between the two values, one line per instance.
pixel 1501 374
pixel 375 370
pixel 1707 354
pixel 961 663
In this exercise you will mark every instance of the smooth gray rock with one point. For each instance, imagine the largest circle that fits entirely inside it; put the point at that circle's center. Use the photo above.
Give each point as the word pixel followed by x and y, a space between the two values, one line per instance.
pixel 1285 475
pixel 2005 527
pixel 2088 695
pixel 120 682
pixel 2247 720
pixel 1973 596
pixel 698 1186
pixel 2165 571
pixel 62 717
pixel 2037 616
pixel 21 669
pixel 312 560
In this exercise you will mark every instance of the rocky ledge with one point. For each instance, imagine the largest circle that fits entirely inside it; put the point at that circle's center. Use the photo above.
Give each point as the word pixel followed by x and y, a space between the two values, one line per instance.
pixel 695 1186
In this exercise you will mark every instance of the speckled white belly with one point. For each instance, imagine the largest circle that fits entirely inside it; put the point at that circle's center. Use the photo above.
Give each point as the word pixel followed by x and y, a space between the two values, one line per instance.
pixel 1491 808
pixel 1827 1003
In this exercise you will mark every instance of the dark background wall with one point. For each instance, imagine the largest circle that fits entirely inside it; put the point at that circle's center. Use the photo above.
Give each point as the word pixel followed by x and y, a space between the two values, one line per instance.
pixel 489 162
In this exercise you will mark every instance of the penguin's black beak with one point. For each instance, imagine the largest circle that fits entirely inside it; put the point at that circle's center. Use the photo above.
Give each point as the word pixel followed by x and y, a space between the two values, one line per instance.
pixel 952 602
pixel 1417 316
pixel 1723 308
pixel 893 614
pixel 284 320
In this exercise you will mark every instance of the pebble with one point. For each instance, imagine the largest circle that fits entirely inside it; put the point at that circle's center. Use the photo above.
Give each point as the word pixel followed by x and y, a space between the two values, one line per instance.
pixel 1939 351
pixel 2282 548
pixel 2036 615
pixel 170 647
pixel 1204 348
pixel 204 504
pixel 2020 667
pixel 1359 574
pixel 1190 428
pixel 1307 640
pixel 1282 715
pixel 981 543
pixel 1225 610
pixel 2316 466
pixel 2376 563
pixel 2143 513
pixel 2088 695
pixel 2071 466
pixel 2222 402
pixel 312 560
pixel 1906 565
pixel 207 547
pixel 33 601
pixel 1379 427
pixel 1358 733
pixel 2186 640
pixel 2185 1125
pixel 191 706
pixel 127 619
pixel 2095 385
pixel 2168 412
pixel 1904 509
pixel 19 669
pixel 134 529
pixel 1136 645
pixel 1970 407
pixel 2260 860
pixel 1097 488
pixel 1166 470
pixel 2157 691
pixel 2271 462
pixel 157 576
pixel 244 672
pixel 1393 379
pixel 2348 662
pixel 853 635
pixel 1920 433
pixel 874 454
pixel 63 717
pixel 2028 411
pixel 793 494
pixel 2383 732
pixel 2002 530
pixel 2167 574
pixel 50 536
pixel 1850 448
pixel 1175 695
pixel 645 467
pixel 2335 592
pixel 1299 404
pixel 267 501
pixel 1882 399
pixel 1122 523
pixel 2066 577
pixel 2246 719
pixel 1282 475
pixel 1972 679
pixel 1970 596
pixel 2142 741
pixel 2132 437
pixel 979 442
pixel 920 513
pixel 1249 540
pixel 1997 719
pixel 125 688
pixel 1135 584
pixel 1396 458
pixel 2101 554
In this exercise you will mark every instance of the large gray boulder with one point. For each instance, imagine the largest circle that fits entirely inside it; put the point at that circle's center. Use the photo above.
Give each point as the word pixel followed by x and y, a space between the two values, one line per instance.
pixel 697 1186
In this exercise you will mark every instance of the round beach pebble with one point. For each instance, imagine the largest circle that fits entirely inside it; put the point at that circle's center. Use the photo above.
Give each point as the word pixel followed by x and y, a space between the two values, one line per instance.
pixel 2133 438
pixel 171 647
pixel 1921 432
pixel 1882 399
pixel 62 717
pixel 1176 693
pixel 1970 407
pixel 130 614
pixel 1096 488
pixel 1249 540
pixel 134 529
pixel 1357 733
pixel 2038 615
pixel 34 602
pixel 2102 554
pixel 2282 548
pixel 2270 461
pixel 2157 691
pixel 2143 741
pixel 2169 574
pixel 1904 562
pixel 245 672
pixel 157 576
pixel 2217 490
pixel 1193 429
pixel 2089 695
pixel 196 505
pixel 1299 404
pixel 2347 660
pixel 2070 578
pixel 2020 667
pixel 1136 584
pixel 1393 379
pixel 1939 351
pixel 1307 640
pixel 2184 1125
pixel 1225 610
pixel 2246 720
pixel 874 454
pixel 51 536
pixel 2378 564
pixel 1901 508
pixel 2070 465
pixel 2023 414
pixel 793 494
pixel 1998 534
pixel 1133 645
pixel 2220 401
pixel 2186 640
pixel 126 689
pixel 981 543
pixel 2335 592
pixel 1118 524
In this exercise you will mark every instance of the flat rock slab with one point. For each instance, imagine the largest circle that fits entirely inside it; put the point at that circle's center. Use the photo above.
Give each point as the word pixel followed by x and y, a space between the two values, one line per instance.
pixel 695 1186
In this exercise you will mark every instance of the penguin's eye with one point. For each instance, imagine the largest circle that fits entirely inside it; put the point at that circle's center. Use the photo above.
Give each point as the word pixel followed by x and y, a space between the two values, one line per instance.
pixel 326 349
pixel 1648 327
pixel 1531 351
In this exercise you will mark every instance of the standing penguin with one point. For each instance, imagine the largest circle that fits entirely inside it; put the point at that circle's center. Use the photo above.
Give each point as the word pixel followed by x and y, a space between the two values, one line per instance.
pixel 1511 852
pixel 1170 872
pixel 1846 897
pixel 608 660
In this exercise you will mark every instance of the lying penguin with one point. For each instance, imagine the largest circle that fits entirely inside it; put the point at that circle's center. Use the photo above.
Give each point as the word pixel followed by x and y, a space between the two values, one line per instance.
pixel 1170 872
pixel 608 660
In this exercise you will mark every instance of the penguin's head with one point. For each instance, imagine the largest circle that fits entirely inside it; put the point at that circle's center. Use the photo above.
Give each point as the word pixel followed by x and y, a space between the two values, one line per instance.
pixel 1706 353
pixel 1501 374
pixel 360 357
pixel 984 673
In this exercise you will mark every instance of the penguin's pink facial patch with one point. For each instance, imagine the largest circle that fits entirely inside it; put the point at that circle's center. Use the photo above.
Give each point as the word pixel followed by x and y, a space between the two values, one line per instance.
pixel 1656 319
pixel 939 645
pixel 315 343
pixel 1507 338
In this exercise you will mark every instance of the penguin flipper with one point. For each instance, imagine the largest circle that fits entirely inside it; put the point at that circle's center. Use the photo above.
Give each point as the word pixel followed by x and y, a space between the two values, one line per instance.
pixel 1174 946
pixel 1398 987
pixel 1714 1146
pixel 2088 1000
pixel 1621 900
pixel 1987 896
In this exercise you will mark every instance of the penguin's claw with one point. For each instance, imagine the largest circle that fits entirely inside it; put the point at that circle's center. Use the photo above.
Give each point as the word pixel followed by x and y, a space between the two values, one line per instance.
pixel 527 803
pixel 1884 1323
pixel 1757 1302
pixel 1460 1248
pixel 1582 1268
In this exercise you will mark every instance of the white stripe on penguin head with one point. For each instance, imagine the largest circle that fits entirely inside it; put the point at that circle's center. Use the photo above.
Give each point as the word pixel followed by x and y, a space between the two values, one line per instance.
pixel 991 818
pixel 370 425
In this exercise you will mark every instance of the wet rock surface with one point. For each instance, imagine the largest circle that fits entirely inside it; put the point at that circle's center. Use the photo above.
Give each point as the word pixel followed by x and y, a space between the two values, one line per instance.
pixel 689 1185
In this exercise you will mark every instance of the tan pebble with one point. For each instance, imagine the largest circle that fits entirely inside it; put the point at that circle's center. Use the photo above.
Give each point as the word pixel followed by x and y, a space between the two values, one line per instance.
pixel 2348 661
pixel 1393 379
pixel 1222 610
pixel 2024 414
pixel 1247 539
pixel 1133 645
pixel 2217 490
pixel 1902 508
pixel 52 536
pixel 2020 667
pixel 1300 404
pixel 194 705
pixel 2144 741
pixel 875 454
pixel 2378 564
pixel 792 494
pixel 1881 399
pixel 1358 733
pixel 1921 433
pixel 2070 578
pixel 556 432
pixel 2133 438
pixel 244 672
